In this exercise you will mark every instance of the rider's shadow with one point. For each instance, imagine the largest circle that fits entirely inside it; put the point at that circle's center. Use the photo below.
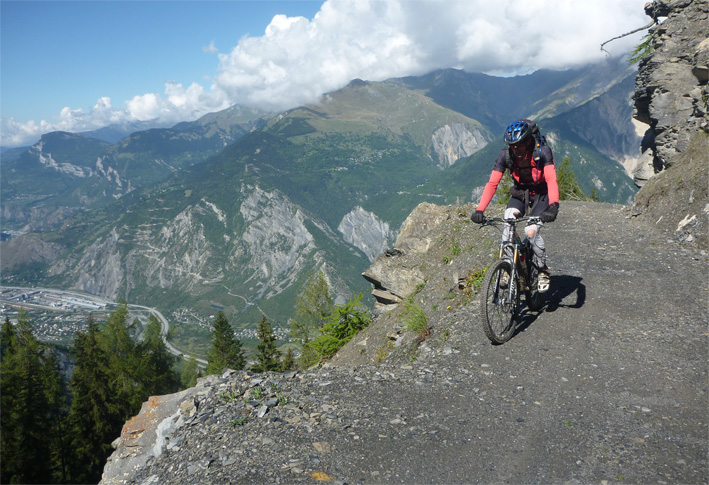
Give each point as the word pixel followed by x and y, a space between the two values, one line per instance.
pixel 561 287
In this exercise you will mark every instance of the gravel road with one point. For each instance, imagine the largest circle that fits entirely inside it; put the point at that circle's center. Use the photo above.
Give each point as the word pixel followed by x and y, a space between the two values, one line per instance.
pixel 607 384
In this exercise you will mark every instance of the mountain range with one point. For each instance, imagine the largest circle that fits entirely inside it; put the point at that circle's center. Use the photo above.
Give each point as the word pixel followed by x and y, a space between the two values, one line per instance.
pixel 237 209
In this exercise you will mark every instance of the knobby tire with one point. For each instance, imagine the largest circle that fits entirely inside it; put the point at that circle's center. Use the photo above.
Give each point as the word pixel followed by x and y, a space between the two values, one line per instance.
pixel 499 310
pixel 533 298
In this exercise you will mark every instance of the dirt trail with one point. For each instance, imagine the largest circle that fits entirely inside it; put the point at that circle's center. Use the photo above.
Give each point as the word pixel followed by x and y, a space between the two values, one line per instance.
pixel 608 383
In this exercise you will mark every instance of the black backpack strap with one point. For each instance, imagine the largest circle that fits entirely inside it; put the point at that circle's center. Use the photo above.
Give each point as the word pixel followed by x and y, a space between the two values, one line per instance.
pixel 538 144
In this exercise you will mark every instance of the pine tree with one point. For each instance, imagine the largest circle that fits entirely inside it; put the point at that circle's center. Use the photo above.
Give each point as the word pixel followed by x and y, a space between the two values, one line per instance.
pixel 8 382
pixel 594 195
pixel 226 351
pixel 123 361
pixel 343 324
pixel 268 356
pixel 58 410
pixel 313 306
pixel 7 337
pixel 28 418
pixel 190 373
pixel 156 374
pixel 288 363
pixel 95 418
pixel 569 188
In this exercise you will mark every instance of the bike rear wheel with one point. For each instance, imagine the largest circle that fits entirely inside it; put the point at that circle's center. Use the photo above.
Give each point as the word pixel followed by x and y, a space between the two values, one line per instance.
pixel 534 299
pixel 500 305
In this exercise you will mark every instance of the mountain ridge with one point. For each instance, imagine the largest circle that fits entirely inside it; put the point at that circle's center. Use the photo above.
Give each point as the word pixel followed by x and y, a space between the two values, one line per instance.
pixel 353 165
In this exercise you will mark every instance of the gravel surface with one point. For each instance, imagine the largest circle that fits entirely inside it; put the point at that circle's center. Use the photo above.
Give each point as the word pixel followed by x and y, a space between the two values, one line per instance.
pixel 608 384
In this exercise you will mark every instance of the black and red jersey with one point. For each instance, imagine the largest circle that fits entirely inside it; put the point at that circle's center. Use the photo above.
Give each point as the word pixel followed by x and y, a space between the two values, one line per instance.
pixel 539 176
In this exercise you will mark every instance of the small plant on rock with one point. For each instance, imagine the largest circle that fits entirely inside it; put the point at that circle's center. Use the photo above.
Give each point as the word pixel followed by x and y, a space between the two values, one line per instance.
pixel 642 50
pixel 415 320
pixel 240 421
pixel 473 282
pixel 228 396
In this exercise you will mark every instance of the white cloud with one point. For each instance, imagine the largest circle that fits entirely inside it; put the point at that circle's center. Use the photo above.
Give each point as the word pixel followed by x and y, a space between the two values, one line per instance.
pixel 296 59
pixel 210 49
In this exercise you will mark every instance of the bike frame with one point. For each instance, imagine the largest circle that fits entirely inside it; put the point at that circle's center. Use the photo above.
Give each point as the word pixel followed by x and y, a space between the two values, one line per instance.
pixel 518 248
pixel 501 304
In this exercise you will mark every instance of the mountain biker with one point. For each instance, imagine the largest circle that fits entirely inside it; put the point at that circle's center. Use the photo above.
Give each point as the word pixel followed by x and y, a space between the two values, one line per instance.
pixel 535 187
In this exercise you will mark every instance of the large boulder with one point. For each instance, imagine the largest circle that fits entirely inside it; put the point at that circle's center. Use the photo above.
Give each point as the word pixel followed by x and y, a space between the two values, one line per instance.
pixel 396 273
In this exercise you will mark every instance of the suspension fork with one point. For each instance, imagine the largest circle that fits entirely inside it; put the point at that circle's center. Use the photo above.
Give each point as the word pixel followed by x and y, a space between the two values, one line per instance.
pixel 512 285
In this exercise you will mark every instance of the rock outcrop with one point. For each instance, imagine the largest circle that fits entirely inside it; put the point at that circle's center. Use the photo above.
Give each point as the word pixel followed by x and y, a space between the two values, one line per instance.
pixel 397 273
pixel 454 141
pixel 672 97
pixel 27 249
pixel 671 87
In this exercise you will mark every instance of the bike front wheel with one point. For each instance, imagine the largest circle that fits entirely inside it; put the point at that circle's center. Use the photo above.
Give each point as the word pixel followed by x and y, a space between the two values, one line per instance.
pixel 500 302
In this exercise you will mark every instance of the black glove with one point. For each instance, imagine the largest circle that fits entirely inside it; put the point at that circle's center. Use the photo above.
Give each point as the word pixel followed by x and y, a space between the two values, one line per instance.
pixel 517 193
pixel 478 217
pixel 549 215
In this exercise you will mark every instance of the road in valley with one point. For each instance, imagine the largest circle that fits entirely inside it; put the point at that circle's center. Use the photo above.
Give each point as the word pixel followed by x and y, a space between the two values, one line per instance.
pixel 46 299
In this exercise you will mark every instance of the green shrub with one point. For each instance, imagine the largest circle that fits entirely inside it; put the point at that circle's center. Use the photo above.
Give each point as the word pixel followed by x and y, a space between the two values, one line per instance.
pixel 342 324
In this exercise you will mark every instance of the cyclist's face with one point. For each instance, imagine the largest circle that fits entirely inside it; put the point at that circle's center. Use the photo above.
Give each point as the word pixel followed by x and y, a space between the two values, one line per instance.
pixel 519 150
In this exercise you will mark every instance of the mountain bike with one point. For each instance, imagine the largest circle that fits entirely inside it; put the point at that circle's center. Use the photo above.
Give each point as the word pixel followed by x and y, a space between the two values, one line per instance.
pixel 514 272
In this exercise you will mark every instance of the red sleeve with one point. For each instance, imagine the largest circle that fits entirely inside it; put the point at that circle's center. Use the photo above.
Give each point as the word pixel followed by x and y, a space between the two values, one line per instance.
pixel 552 184
pixel 491 187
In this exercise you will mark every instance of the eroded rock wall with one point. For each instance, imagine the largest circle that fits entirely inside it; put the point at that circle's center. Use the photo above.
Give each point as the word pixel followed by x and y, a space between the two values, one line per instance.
pixel 671 93
pixel 672 97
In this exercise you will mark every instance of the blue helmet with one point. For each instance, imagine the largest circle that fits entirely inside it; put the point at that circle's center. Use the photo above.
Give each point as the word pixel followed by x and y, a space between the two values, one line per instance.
pixel 517 132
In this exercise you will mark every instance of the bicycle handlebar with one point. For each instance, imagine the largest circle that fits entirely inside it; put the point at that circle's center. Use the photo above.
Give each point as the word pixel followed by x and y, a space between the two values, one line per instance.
pixel 491 221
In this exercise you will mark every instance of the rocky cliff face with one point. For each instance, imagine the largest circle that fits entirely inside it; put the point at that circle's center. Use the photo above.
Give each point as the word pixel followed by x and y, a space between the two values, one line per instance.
pixel 672 97
pixel 671 93
pixel 255 250
pixel 454 141
pixel 276 245
pixel 366 231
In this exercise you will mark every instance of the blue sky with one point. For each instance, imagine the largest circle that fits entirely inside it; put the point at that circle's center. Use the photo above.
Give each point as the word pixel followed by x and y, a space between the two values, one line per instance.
pixel 57 54
pixel 80 65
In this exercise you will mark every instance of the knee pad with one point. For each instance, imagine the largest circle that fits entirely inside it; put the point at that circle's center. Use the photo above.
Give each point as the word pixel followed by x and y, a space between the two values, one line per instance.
pixel 511 212
pixel 531 231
